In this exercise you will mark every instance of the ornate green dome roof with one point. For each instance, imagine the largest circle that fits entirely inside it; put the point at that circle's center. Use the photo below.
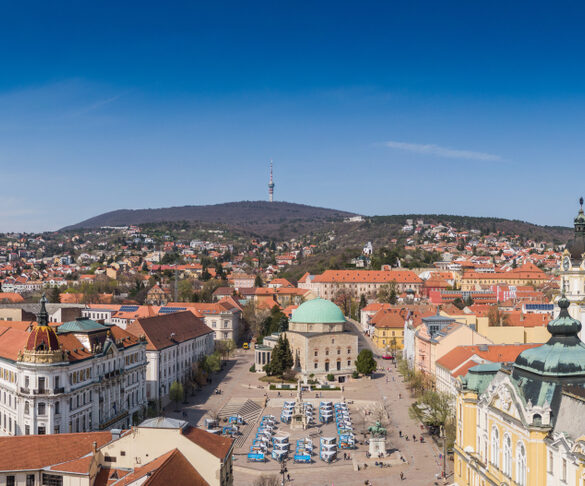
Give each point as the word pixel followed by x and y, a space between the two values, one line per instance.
pixel 318 311
pixel 564 353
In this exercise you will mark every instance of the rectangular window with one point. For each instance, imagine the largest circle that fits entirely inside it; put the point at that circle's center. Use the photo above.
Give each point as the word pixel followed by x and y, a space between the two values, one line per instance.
pixel 41 408
pixel 30 480
pixel 52 480
pixel 550 462
pixel 564 470
pixel 10 481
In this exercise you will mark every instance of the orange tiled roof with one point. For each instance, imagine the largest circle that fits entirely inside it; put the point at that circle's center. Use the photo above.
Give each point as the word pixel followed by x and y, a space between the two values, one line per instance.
pixel 39 451
pixel 367 276
pixel 517 319
pixel 387 318
pixel 11 297
pixel 182 325
pixel 12 340
pixel 495 353
pixel 217 445
pixel 175 469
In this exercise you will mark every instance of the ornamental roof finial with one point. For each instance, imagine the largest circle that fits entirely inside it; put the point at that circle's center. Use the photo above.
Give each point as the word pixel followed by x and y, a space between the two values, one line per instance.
pixel 43 315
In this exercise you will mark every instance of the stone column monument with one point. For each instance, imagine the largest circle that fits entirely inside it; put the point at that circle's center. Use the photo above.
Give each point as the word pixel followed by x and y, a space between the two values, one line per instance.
pixel 299 419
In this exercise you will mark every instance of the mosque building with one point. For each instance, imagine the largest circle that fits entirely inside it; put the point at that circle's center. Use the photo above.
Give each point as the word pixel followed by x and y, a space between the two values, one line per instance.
pixel 321 342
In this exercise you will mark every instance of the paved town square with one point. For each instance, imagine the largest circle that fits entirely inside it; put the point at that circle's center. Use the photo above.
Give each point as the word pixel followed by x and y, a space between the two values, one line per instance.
pixel 367 399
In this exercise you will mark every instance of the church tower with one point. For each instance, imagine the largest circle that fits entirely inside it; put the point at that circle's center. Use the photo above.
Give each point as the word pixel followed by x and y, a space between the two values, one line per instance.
pixel 572 270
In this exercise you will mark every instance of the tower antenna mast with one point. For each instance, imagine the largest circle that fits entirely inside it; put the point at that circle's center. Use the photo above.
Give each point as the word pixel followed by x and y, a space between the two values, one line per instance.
pixel 271 185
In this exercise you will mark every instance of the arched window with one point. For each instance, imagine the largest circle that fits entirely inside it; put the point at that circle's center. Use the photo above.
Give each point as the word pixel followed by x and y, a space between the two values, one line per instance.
pixel 520 464
pixel 495 446
pixel 507 460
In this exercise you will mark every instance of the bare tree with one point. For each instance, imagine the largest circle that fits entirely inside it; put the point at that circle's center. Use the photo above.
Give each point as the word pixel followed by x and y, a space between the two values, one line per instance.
pixel 253 318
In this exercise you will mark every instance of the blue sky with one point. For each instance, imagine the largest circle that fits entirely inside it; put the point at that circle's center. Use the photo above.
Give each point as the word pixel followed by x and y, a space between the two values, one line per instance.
pixel 373 107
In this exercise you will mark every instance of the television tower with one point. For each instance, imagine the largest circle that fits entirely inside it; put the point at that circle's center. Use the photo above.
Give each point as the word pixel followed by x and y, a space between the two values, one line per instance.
pixel 270 185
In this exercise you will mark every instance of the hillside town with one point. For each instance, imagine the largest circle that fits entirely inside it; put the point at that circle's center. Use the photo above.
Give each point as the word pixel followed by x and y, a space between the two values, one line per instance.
pixel 124 329
pixel 292 244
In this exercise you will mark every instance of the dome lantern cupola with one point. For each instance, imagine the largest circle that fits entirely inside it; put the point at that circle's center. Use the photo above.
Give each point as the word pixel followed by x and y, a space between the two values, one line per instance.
pixel 576 246
pixel 563 355
pixel 580 219
pixel 564 325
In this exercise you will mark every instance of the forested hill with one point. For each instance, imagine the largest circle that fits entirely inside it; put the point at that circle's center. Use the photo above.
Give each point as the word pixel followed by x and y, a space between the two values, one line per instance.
pixel 259 217
pixel 556 234
pixel 283 220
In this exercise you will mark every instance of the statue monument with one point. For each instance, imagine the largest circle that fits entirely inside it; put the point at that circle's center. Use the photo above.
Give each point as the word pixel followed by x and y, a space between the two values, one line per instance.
pixel 377 439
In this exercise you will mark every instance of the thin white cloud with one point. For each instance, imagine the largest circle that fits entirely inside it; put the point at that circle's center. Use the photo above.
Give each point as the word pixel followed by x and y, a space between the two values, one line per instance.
pixel 95 106
pixel 430 149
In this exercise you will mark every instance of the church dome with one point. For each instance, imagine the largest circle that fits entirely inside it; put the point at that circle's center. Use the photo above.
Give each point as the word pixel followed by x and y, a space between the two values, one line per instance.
pixel 318 311
pixel 564 353
pixel 42 338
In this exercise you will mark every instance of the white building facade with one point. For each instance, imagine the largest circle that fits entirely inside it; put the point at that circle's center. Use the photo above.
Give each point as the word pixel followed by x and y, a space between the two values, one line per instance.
pixel 174 343
pixel 86 378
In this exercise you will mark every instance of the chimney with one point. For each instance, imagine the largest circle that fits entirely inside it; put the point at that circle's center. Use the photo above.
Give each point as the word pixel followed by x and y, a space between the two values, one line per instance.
pixel 116 433
pixel 94 446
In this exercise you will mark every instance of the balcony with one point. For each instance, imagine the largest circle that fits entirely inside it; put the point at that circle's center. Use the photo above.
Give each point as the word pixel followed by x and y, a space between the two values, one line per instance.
pixel 113 419
pixel 41 391
pixel 58 390
pixel 25 391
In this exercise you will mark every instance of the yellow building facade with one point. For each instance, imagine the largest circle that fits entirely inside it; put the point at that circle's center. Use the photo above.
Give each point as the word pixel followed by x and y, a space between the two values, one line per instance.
pixel 388 338
pixel 524 424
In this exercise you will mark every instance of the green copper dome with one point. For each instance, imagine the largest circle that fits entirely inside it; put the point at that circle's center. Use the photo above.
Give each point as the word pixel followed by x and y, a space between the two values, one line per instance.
pixel 317 311
pixel 563 355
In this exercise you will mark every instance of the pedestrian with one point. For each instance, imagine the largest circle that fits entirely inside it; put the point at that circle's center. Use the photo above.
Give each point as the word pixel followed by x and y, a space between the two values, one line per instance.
pixel 402 476
pixel 400 433
pixel 288 477
pixel 400 396
pixel 414 437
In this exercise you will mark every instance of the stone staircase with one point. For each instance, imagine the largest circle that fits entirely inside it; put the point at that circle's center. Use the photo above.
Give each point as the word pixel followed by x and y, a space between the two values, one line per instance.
pixel 250 412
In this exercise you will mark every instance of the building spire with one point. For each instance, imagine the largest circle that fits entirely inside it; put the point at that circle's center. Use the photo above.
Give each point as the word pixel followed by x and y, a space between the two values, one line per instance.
pixel 43 315
pixel 271 185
